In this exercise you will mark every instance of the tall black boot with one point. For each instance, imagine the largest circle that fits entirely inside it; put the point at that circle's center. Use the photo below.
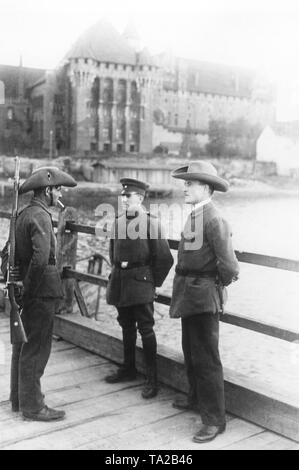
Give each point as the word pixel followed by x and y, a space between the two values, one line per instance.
pixel 150 389
pixel 129 344
pixel 128 371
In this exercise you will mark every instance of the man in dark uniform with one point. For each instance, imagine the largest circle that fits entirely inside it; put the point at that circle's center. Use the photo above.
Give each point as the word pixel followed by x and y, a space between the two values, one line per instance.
pixel 141 260
pixel 206 263
pixel 36 254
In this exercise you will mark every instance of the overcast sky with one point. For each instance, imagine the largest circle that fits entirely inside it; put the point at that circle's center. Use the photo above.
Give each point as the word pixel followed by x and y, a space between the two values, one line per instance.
pixel 262 34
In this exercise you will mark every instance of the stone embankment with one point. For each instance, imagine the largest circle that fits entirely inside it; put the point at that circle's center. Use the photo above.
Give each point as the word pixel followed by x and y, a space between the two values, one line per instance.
pixel 240 173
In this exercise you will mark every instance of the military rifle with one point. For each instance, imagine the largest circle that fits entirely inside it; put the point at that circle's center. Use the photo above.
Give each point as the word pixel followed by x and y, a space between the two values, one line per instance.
pixel 17 332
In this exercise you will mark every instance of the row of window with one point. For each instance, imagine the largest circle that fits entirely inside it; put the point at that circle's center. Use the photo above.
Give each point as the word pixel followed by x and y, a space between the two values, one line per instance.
pixel 11 113
pixel 119 147
pixel 119 134
pixel 119 66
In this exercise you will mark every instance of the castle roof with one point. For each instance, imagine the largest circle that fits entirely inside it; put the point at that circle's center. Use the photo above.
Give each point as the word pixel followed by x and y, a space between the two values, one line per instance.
pixel 214 78
pixel 9 74
pixel 102 42
pixel 218 78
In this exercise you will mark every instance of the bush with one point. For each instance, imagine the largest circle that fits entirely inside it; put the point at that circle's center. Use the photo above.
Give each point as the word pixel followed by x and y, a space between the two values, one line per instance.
pixel 161 149
pixel 232 139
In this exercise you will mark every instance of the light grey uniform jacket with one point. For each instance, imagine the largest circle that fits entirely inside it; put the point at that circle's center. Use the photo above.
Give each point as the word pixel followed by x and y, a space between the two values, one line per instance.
pixel 207 260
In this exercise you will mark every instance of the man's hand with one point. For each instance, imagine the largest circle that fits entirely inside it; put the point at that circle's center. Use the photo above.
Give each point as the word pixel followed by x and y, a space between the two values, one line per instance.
pixel 15 275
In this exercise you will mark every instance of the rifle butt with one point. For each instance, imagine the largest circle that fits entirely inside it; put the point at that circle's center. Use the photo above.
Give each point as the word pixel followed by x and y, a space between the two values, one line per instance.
pixel 17 331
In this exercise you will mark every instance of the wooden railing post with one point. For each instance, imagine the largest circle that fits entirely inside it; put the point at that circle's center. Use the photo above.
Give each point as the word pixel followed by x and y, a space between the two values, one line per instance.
pixel 67 253
pixel 95 266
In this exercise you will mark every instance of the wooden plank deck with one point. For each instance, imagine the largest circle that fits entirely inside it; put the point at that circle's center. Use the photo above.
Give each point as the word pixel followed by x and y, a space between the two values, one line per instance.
pixel 110 417
pixel 249 398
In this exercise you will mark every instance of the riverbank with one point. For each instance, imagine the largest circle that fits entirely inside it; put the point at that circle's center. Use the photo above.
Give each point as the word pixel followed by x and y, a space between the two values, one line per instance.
pixel 90 194
pixel 98 178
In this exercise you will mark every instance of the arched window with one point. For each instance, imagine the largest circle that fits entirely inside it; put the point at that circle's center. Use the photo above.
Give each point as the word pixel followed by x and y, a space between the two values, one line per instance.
pixel 121 92
pixel 134 92
pixel 108 90
pixel 10 113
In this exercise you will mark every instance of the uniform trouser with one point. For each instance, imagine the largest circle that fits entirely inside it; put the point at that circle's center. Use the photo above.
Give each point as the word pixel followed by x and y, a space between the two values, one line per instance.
pixel 200 340
pixel 141 317
pixel 30 359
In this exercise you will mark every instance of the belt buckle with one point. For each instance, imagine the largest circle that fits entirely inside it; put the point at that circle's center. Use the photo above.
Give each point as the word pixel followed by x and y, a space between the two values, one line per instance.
pixel 124 264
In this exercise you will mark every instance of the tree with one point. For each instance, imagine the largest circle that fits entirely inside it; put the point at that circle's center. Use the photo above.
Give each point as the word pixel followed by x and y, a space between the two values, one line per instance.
pixel 217 138
pixel 233 139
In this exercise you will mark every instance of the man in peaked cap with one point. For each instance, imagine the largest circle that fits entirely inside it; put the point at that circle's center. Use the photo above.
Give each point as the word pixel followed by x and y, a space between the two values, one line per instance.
pixel 36 254
pixel 206 263
pixel 139 264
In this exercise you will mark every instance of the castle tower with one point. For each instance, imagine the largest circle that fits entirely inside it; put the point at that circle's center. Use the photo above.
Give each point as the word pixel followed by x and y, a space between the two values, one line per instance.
pixel 111 86
pixel 148 78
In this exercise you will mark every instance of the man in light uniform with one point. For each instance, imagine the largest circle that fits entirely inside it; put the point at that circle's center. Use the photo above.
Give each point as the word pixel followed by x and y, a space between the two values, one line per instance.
pixel 206 263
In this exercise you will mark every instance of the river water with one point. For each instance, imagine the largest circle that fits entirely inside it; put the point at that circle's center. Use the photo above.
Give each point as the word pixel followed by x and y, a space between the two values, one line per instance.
pixel 267 224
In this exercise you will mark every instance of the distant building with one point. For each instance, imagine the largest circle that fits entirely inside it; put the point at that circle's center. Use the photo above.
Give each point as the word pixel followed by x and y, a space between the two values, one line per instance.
pixel 279 146
pixel 17 128
pixel 109 95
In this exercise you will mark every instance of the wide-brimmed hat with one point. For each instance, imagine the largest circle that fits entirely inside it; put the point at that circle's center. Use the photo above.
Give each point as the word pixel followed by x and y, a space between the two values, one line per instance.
pixel 203 171
pixel 131 185
pixel 47 176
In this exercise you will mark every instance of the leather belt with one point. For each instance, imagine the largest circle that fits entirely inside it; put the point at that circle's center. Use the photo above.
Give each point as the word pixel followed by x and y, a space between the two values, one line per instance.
pixel 196 273
pixel 127 265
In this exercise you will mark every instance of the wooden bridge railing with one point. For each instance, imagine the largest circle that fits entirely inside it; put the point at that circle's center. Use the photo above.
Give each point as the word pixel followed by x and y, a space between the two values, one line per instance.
pixel 70 230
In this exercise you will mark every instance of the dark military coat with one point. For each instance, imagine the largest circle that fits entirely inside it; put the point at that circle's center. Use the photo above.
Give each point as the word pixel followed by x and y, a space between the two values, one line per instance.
pixel 148 259
pixel 36 252
pixel 211 254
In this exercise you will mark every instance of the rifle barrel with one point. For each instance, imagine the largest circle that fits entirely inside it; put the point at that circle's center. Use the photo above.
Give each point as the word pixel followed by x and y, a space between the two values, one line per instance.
pixel 17 332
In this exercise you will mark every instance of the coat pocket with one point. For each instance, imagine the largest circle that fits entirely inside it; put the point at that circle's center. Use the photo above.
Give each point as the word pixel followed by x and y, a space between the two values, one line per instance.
pixel 202 296
pixel 50 285
pixel 137 286
pixel 144 276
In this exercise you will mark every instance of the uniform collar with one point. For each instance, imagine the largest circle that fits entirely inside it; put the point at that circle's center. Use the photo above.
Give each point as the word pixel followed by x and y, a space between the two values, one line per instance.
pixel 201 204
pixel 38 202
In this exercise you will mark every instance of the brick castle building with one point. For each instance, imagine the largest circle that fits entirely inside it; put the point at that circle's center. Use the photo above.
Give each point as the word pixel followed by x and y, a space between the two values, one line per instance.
pixel 108 95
